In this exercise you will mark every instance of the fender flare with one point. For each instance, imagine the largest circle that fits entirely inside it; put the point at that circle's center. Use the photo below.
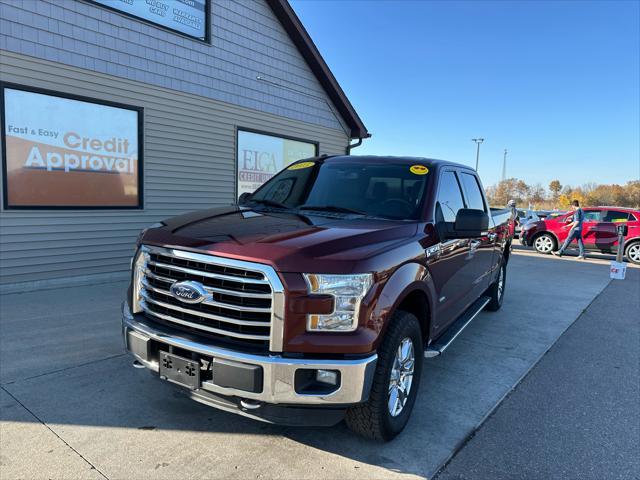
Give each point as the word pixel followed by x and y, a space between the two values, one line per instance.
pixel 407 279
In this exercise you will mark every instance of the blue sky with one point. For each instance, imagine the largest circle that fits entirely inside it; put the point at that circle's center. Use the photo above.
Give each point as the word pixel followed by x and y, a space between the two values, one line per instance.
pixel 555 83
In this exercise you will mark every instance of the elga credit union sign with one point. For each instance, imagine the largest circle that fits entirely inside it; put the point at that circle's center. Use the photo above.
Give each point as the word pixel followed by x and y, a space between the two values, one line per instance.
pixel 63 152
pixel 261 156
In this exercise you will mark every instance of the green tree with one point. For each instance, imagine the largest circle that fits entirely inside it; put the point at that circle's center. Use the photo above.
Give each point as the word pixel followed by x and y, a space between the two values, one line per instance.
pixel 555 187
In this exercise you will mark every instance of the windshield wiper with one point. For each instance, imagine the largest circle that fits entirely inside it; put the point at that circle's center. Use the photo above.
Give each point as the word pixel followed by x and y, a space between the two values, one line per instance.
pixel 269 203
pixel 332 208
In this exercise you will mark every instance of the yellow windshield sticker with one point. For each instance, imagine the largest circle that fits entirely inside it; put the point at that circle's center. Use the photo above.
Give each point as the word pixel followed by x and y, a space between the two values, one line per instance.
pixel 298 166
pixel 419 169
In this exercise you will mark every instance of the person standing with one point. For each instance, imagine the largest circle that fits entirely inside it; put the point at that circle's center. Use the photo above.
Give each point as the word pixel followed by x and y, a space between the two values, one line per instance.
pixel 576 231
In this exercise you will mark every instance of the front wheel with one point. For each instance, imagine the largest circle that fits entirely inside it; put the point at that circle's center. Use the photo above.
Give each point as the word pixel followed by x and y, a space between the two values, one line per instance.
pixel 633 252
pixel 544 243
pixel 395 383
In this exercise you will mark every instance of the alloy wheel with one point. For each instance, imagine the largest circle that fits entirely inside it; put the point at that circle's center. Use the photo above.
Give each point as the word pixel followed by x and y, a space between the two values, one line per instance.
pixel 634 253
pixel 543 244
pixel 401 377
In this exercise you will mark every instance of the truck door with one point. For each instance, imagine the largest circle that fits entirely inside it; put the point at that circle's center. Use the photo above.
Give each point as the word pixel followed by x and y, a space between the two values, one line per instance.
pixel 481 249
pixel 450 273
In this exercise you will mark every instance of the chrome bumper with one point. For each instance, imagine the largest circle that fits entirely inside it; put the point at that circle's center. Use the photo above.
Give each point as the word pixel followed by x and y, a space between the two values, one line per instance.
pixel 278 372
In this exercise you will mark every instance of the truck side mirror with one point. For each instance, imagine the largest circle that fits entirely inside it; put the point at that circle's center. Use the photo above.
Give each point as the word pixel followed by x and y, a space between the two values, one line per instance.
pixel 470 223
pixel 244 198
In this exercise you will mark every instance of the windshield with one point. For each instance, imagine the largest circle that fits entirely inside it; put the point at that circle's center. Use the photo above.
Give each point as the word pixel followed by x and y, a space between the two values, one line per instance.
pixel 351 187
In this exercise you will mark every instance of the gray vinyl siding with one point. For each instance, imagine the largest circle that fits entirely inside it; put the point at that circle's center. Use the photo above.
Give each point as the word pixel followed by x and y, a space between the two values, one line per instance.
pixel 247 42
pixel 189 164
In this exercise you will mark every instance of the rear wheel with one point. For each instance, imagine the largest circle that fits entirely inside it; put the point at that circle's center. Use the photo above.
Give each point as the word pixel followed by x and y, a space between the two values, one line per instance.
pixel 496 290
pixel 544 243
pixel 395 383
pixel 633 252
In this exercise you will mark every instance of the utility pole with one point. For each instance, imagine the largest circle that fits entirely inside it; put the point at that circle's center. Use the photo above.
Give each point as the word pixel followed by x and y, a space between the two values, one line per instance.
pixel 504 166
pixel 478 142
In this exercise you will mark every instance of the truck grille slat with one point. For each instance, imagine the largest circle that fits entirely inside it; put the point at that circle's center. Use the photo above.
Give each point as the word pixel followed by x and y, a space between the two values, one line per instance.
pixel 197 326
pixel 170 306
pixel 239 304
pixel 220 291
pixel 213 303
pixel 209 275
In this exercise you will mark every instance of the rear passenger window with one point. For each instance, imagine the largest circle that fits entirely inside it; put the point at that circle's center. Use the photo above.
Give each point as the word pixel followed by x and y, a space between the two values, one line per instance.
pixel 591 216
pixel 616 216
pixel 472 192
pixel 449 198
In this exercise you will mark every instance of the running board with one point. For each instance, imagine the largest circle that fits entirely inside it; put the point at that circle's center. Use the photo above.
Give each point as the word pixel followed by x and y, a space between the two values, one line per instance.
pixel 456 328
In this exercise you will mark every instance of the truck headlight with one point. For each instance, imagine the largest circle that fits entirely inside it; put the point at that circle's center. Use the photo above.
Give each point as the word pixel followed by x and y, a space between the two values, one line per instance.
pixel 347 290
pixel 138 266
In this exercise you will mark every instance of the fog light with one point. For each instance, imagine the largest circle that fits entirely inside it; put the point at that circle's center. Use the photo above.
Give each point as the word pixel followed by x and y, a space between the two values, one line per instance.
pixel 327 376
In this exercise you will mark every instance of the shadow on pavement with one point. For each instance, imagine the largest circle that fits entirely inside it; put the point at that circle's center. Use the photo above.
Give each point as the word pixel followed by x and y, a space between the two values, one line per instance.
pixel 128 423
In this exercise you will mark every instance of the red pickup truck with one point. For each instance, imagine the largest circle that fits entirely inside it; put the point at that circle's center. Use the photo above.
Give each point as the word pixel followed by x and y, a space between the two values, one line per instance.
pixel 317 297
pixel 599 231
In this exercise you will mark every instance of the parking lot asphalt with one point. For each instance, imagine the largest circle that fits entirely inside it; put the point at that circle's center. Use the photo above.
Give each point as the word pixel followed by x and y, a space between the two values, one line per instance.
pixel 71 406
pixel 576 414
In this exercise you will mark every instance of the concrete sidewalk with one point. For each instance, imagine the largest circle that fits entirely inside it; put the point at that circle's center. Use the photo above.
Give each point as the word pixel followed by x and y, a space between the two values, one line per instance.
pixel 577 413
pixel 72 406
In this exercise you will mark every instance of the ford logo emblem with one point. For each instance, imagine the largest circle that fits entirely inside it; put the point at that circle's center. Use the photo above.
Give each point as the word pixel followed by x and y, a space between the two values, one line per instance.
pixel 188 291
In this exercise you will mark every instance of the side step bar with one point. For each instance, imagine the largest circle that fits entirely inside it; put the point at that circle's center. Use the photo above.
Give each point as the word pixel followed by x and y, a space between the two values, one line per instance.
pixel 456 328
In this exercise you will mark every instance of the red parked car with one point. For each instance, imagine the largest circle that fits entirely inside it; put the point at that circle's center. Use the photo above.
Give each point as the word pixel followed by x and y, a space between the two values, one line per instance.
pixel 599 231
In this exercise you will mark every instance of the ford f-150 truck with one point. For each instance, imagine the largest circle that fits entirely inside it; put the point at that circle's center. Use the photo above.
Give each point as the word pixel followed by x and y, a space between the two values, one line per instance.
pixel 318 296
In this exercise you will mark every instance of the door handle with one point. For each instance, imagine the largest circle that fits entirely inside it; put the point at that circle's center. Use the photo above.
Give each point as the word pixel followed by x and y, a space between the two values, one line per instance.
pixel 474 244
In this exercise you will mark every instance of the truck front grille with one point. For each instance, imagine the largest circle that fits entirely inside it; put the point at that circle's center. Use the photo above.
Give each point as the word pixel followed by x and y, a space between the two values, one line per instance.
pixel 239 305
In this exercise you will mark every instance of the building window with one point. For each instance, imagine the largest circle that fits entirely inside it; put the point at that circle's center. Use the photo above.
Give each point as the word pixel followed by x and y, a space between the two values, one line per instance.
pixel 62 151
pixel 261 155
pixel 188 17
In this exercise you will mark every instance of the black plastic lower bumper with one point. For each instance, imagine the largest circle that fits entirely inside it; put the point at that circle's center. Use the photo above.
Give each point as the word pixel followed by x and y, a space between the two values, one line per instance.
pixel 288 415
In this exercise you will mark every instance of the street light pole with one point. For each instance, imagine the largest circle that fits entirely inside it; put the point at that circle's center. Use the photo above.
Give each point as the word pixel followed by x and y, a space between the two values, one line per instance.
pixel 478 142
pixel 504 166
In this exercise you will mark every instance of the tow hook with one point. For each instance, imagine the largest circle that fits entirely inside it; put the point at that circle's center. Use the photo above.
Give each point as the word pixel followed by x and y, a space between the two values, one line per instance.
pixel 250 404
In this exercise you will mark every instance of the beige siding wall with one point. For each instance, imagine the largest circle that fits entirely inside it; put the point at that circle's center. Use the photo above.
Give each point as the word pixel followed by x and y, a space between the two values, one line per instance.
pixel 189 164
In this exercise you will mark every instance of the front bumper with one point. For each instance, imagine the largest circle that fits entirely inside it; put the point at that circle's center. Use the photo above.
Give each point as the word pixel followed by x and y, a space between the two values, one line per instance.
pixel 278 383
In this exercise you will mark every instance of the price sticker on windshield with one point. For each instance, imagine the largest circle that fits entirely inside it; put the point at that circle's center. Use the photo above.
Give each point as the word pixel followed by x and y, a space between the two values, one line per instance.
pixel 301 165
pixel 419 169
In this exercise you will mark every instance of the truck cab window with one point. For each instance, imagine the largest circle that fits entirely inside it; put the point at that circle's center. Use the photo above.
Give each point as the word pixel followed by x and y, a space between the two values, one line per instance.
pixel 473 193
pixel 449 198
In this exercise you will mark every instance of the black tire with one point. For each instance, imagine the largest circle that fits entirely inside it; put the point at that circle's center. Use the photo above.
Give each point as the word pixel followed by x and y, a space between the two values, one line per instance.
pixel 496 292
pixel 544 243
pixel 372 419
pixel 631 251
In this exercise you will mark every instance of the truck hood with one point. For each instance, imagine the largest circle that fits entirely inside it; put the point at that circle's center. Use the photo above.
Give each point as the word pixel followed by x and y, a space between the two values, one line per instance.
pixel 287 241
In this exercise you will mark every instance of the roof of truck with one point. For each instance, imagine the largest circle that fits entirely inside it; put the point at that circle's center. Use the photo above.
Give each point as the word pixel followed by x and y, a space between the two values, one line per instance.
pixel 399 159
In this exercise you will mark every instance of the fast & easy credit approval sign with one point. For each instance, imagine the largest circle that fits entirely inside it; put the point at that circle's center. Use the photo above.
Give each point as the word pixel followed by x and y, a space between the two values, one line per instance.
pixel 65 152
